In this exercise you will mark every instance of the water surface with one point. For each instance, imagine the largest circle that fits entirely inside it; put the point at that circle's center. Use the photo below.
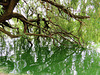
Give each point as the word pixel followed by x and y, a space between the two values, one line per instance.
pixel 20 58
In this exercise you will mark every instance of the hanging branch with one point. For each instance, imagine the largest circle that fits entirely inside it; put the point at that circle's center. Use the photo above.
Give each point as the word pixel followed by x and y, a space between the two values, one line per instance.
pixel 48 30
pixel 66 10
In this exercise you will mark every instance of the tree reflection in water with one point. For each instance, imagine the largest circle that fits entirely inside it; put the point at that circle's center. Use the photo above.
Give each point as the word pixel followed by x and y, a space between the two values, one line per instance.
pixel 45 60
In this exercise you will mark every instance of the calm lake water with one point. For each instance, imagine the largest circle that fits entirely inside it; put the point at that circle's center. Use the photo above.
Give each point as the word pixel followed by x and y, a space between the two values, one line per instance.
pixel 17 57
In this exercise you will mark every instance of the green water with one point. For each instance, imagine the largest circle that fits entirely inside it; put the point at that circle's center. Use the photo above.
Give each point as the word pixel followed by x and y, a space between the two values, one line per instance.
pixel 21 59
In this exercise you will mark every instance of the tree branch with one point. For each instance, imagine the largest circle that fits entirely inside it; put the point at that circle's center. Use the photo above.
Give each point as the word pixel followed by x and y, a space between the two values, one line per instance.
pixel 66 10
pixel 8 10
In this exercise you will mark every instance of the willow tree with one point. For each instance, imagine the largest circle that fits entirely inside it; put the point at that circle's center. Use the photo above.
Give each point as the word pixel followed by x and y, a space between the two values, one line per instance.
pixel 59 20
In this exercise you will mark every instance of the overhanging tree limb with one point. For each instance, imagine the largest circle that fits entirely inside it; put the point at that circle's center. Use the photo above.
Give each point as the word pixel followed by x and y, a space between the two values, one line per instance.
pixel 8 9
pixel 66 10
pixel 48 30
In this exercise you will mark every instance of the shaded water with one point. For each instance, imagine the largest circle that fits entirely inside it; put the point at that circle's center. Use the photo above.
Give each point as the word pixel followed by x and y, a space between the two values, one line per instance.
pixel 17 57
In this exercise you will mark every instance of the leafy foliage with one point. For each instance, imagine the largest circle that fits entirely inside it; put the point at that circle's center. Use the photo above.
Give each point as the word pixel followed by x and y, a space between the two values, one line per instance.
pixel 53 19
pixel 1 10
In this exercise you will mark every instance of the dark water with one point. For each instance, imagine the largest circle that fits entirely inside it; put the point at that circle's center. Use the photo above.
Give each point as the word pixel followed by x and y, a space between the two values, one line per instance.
pixel 17 57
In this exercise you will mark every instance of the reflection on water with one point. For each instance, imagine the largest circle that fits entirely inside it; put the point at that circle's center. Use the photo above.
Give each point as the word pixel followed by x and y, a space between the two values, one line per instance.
pixel 18 57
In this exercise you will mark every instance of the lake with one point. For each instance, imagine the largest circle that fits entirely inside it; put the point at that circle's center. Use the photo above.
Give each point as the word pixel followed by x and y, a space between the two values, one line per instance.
pixel 22 59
